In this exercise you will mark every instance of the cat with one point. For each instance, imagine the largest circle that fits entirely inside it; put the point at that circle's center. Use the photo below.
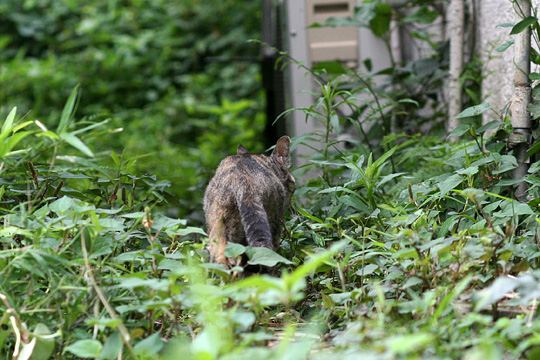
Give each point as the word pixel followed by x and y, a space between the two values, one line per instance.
pixel 246 200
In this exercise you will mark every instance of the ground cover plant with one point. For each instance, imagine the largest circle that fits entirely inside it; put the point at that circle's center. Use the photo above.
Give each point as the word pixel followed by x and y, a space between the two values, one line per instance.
pixel 402 245
pixel 380 259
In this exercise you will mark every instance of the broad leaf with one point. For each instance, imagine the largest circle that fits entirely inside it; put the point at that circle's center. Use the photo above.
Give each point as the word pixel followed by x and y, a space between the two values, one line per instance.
pixel 474 111
pixel 266 257
pixel 149 346
pixel 85 349
pixel 450 183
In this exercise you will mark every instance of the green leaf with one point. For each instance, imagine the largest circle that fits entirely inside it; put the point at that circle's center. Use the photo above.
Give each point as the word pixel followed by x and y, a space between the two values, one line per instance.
pixel 450 296
pixel 489 350
pixel 534 148
pixel 378 163
pixel 44 342
pixel 535 167
pixel 492 125
pixel 187 231
pixel 313 263
pixel 409 101
pixel 8 124
pixel 389 177
pixel 233 250
pixel 507 163
pixel 460 130
pixel 331 67
pixel 504 46
pixel 523 24
pixel 380 23
pixel 472 170
pixel 149 346
pixel 69 109
pixel 112 347
pixel 367 270
pixel 266 257
pixel 3 336
pixel 61 205
pixel 85 348
pixel 514 208
pixel 11 142
pixel 450 183
pixel 404 344
pixel 244 319
pixel 76 143
pixel 534 107
pixel 154 284
pixel 495 292
pixel 424 15
pixel 447 225
pixel 474 111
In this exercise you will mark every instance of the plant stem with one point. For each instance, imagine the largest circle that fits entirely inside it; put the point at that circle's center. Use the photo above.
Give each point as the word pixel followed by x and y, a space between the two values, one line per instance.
pixel 112 313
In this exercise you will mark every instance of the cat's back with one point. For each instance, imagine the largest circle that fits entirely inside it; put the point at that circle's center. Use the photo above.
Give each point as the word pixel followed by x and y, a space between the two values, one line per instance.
pixel 245 172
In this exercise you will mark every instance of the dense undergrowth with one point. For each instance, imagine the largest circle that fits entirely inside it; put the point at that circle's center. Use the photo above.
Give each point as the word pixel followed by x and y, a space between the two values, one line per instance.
pixel 179 78
pixel 398 245
pixel 420 252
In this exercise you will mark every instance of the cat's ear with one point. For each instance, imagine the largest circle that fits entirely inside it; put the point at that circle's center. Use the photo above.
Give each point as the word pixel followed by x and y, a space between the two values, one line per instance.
pixel 281 152
pixel 240 150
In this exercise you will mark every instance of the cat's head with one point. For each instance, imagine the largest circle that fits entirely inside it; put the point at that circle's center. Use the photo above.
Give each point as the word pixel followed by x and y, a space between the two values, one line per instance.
pixel 279 161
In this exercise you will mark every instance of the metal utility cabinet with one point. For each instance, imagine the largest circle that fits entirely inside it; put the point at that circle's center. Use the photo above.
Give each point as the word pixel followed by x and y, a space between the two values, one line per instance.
pixel 310 45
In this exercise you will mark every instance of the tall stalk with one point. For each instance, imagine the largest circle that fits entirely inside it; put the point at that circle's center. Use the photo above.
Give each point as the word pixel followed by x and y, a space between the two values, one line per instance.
pixel 456 19
pixel 521 121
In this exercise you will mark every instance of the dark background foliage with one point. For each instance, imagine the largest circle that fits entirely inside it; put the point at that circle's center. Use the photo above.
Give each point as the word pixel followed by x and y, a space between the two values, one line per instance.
pixel 179 77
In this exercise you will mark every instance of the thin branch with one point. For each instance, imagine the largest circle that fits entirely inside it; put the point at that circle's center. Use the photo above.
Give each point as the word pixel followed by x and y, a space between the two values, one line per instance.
pixel 92 282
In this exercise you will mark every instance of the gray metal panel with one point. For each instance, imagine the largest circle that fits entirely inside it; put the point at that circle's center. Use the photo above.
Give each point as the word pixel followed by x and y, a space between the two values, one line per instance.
pixel 371 47
pixel 299 82
pixel 300 85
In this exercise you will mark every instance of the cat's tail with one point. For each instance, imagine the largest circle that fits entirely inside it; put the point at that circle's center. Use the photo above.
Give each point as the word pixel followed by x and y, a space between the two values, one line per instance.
pixel 254 220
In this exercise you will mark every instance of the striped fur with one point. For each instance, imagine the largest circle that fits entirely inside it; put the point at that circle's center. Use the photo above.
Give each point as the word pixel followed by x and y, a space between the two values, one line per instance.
pixel 246 200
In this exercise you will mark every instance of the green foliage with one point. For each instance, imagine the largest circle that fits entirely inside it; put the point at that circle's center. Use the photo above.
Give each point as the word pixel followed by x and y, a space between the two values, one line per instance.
pixel 407 247
pixel 383 257
pixel 171 77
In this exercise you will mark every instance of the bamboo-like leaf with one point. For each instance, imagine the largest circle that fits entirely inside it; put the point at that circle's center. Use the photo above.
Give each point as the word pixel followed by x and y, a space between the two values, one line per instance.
pixel 69 110
pixel 21 126
pixel 523 24
pixel 534 148
pixel 8 124
pixel 77 143
pixel 90 127
pixel 7 145
pixel 450 297
pixel 505 45
pixel 312 264
pixel 377 163
pixel 49 134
